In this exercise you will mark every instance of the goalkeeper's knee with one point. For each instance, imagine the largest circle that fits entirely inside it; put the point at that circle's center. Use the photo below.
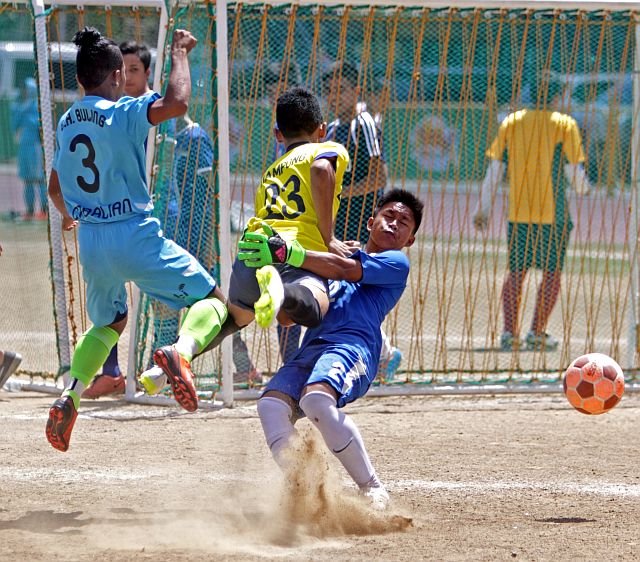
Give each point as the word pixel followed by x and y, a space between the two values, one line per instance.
pixel 301 305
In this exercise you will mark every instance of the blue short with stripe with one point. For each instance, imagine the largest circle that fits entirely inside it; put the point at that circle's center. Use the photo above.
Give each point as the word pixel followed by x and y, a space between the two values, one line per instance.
pixel 135 250
pixel 341 366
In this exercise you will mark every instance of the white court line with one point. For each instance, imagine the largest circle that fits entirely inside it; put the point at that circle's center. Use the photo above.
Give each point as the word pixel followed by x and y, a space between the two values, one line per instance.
pixel 58 474
pixel 606 489
pixel 73 475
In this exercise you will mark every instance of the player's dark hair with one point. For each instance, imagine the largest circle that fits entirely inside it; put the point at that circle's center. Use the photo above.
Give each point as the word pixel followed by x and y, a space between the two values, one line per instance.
pixel 406 198
pixel 342 71
pixel 298 111
pixel 97 57
pixel 140 50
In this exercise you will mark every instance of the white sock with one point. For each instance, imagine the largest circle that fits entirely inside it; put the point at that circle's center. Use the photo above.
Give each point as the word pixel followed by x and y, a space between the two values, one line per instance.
pixel 385 350
pixel 156 374
pixel 341 435
pixel 76 385
pixel 275 416
pixel 187 347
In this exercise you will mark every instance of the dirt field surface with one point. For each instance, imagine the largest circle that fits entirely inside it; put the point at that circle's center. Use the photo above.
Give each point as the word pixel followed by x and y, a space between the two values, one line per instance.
pixel 480 478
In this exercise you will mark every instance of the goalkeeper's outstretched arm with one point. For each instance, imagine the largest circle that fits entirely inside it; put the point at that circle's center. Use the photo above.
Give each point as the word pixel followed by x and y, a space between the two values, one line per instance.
pixel 257 249
pixel 332 266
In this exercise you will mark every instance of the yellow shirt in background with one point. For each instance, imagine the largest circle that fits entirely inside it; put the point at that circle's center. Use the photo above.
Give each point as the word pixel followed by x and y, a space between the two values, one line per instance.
pixel 531 138
pixel 284 199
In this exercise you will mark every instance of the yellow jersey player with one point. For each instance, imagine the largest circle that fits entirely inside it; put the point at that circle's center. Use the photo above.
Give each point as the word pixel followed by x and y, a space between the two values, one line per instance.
pixel 538 144
pixel 298 196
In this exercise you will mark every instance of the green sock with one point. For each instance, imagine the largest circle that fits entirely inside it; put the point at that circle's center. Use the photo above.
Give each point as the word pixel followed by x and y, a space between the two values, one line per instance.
pixel 203 320
pixel 91 352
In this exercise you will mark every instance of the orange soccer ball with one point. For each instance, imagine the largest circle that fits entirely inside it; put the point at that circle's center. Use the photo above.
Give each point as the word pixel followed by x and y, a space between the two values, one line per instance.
pixel 593 383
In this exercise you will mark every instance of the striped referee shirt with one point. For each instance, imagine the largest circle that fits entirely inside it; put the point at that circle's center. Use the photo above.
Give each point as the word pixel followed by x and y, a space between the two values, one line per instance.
pixel 361 137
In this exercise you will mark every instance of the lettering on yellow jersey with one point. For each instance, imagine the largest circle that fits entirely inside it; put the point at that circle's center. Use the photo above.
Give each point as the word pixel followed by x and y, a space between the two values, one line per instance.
pixel 287 163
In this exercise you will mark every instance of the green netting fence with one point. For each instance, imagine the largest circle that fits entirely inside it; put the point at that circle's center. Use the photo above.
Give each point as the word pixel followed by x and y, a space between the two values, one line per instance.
pixel 437 83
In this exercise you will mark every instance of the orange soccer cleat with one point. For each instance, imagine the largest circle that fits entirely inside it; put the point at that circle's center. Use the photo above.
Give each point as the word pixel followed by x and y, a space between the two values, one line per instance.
pixel 62 416
pixel 178 371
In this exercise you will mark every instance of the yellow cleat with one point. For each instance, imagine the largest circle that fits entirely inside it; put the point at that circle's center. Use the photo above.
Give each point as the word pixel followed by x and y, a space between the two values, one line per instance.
pixel 271 296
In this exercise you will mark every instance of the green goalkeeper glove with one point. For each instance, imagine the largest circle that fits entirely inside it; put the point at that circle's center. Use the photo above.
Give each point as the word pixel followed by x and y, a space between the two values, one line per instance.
pixel 257 249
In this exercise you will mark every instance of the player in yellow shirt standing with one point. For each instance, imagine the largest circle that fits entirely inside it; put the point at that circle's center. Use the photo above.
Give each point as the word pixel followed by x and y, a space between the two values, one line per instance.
pixel 298 197
pixel 543 149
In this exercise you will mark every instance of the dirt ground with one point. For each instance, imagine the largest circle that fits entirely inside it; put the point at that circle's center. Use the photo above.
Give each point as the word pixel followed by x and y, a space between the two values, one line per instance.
pixel 481 478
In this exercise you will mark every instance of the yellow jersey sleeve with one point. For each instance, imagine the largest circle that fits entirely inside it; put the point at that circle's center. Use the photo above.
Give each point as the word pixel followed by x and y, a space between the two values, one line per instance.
pixel 284 198
pixel 571 141
pixel 499 144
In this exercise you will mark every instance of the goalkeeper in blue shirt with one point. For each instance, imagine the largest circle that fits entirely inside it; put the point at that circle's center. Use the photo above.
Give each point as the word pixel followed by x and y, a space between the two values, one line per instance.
pixel 338 359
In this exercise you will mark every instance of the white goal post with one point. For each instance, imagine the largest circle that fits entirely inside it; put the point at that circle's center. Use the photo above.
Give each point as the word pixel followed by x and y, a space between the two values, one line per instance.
pixel 227 393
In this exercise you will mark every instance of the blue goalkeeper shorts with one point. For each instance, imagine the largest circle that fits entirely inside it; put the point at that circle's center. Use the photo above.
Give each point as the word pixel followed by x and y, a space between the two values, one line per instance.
pixel 345 368
pixel 135 250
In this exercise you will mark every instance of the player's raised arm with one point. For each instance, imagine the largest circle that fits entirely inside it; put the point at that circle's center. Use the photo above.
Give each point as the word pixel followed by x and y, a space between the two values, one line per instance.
pixel 175 102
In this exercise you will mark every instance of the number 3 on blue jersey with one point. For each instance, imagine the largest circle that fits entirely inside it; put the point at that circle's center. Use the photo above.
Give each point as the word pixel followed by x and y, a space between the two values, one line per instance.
pixel 88 162
pixel 277 199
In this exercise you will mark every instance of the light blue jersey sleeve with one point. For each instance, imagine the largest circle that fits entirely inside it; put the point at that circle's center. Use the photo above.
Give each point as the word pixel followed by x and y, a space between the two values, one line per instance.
pixel 133 112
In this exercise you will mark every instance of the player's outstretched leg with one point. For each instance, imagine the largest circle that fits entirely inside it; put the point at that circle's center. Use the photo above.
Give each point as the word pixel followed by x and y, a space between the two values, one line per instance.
pixel 271 295
pixel 201 324
pixel 62 417
pixel 90 353
pixel 342 437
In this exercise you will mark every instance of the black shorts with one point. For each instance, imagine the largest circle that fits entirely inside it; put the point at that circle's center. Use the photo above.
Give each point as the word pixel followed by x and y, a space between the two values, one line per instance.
pixel 244 290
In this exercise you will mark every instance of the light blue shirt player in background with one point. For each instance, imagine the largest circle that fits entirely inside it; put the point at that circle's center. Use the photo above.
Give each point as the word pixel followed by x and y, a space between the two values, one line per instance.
pixel 98 183
pixel 338 360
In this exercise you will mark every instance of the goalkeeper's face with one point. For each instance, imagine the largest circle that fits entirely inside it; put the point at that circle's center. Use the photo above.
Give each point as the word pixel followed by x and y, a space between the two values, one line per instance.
pixel 392 228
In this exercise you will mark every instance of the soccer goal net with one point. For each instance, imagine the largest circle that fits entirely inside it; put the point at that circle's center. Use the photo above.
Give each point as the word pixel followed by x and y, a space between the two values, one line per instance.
pixel 434 84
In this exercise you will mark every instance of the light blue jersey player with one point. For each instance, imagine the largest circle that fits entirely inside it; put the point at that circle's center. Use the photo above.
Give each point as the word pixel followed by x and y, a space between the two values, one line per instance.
pixel 98 183
pixel 338 360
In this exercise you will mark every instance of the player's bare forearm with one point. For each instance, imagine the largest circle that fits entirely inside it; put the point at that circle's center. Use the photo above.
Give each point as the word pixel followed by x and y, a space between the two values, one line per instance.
pixel 175 102
pixel 332 266
pixel 323 183
pixel 55 194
